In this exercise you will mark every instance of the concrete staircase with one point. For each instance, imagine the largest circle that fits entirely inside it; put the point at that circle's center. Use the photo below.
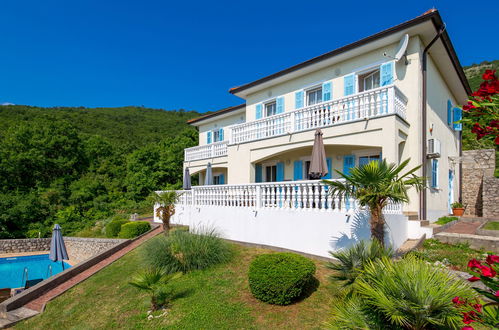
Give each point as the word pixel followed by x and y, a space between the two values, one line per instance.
pixel 12 317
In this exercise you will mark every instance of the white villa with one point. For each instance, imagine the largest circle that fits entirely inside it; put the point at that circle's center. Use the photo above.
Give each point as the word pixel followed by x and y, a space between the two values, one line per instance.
pixel 374 98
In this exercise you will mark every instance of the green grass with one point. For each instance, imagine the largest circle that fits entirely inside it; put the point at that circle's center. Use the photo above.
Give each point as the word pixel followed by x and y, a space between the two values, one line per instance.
pixel 443 220
pixel 493 225
pixel 214 298
pixel 455 256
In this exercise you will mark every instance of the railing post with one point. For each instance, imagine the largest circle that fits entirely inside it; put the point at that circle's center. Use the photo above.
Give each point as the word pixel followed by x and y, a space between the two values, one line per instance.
pixel 293 122
pixel 193 198
pixel 258 197
pixel 391 99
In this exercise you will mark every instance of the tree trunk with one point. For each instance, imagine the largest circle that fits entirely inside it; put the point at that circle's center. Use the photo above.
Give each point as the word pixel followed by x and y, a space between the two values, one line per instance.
pixel 377 225
pixel 168 212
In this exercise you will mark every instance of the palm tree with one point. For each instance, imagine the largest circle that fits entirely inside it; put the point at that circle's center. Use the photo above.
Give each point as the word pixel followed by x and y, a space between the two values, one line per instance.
pixel 166 201
pixel 375 185
pixel 153 280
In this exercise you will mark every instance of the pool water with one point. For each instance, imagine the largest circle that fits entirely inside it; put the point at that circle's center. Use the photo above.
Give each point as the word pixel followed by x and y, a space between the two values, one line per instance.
pixel 12 269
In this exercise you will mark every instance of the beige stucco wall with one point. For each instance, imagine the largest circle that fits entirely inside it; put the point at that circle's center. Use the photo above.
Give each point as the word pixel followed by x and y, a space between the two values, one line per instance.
pixel 236 118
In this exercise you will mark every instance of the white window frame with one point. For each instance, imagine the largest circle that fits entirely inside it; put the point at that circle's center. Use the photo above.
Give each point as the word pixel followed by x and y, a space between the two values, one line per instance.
pixel 310 90
pixel 264 169
pixel 368 73
pixel 215 133
pixel 435 187
pixel 273 101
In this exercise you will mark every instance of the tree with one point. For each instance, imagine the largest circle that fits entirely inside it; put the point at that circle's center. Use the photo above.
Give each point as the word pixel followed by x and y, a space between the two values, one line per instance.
pixel 375 185
pixel 166 209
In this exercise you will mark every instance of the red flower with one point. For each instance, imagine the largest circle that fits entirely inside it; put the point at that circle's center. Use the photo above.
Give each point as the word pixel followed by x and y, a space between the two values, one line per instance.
pixel 469 317
pixel 489 75
pixel 491 259
pixel 467 328
pixel 474 279
pixel 456 300
pixel 497 293
pixel 478 307
pixel 487 271
pixel 473 263
pixel 468 106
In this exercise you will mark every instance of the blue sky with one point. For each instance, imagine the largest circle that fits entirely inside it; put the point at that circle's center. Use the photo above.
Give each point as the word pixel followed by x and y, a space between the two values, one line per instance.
pixel 187 54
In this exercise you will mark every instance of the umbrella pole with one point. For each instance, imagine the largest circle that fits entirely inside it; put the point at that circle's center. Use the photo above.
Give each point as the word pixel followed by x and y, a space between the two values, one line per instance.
pixel 62 263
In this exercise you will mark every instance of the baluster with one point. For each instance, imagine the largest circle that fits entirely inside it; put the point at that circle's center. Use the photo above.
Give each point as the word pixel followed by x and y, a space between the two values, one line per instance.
pixel 323 197
pixel 352 204
pixel 288 197
pixel 272 195
pixel 265 197
pixel 343 203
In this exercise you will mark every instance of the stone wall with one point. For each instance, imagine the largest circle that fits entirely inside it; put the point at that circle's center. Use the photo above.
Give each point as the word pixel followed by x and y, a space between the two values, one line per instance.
pixel 24 245
pixel 490 197
pixel 477 165
pixel 80 248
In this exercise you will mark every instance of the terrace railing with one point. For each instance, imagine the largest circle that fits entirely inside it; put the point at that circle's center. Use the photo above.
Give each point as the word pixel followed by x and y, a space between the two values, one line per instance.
pixel 372 103
pixel 212 150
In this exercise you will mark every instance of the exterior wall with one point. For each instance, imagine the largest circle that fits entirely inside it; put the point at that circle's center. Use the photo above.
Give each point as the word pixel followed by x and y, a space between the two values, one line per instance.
pixel 479 165
pixel 490 197
pixel 316 234
pixel 438 95
pixel 236 118
pixel 24 245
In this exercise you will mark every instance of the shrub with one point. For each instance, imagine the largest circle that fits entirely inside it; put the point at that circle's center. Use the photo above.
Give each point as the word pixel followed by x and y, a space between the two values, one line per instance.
pixel 114 227
pixel 280 278
pixel 350 262
pixel 457 205
pixel 443 220
pixel 407 294
pixel 183 251
pixel 134 229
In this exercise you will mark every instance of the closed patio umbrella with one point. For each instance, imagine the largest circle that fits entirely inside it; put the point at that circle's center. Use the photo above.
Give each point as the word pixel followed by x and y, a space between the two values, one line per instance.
pixel 208 180
pixel 57 248
pixel 187 179
pixel 318 163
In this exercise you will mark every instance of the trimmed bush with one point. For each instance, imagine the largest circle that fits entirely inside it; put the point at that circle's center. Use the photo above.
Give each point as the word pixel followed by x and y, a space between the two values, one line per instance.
pixel 114 227
pixel 134 229
pixel 183 251
pixel 280 278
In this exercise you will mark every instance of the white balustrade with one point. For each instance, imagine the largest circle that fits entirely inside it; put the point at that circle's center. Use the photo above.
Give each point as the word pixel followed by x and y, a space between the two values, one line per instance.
pixel 211 150
pixel 372 103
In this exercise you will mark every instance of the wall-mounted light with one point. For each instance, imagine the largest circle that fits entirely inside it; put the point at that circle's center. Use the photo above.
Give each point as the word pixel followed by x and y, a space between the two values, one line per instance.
pixel 431 128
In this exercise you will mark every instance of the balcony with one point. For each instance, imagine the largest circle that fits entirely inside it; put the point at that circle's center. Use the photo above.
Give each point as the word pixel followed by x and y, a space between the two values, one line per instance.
pixel 212 150
pixel 369 104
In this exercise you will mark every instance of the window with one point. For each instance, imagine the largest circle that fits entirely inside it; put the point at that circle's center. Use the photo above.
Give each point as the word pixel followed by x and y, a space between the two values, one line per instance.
pixel 369 80
pixel 314 96
pixel 216 179
pixel 271 173
pixel 364 160
pixel 434 173
pixel 270 109
pixel 216 136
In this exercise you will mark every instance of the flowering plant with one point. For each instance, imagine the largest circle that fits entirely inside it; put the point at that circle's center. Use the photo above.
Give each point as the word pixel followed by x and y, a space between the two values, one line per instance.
pixel 482 109
pixel 473 310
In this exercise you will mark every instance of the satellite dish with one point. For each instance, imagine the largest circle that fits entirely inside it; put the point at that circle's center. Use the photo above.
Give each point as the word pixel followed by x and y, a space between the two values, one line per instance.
pixel 402 48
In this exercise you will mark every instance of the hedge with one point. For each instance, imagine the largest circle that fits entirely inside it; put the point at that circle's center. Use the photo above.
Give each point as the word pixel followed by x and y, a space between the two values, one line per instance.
pixel 134 229
pixel 280 278
pixel 113 228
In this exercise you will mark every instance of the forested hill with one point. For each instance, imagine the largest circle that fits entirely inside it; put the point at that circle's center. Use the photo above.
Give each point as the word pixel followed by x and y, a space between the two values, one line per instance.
pixel 78 166
pixel 474 72
pixel 130 126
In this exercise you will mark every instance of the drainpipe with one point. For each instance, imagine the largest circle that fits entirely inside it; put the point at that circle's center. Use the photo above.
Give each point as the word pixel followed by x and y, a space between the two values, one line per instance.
pixel 422 194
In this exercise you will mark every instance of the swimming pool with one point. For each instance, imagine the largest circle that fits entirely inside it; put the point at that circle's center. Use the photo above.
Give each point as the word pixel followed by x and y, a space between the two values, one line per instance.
pixel 12 270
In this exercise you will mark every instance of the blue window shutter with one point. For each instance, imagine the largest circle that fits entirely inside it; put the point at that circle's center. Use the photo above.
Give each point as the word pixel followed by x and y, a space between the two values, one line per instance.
pixel 258 173
pixel 348 163
pixel 280 171
pixel 258 111
pixel 458 115
pixel 298 170
pixel 299 100
pixel 326 91
pixel 349 84
pixel 279 104
pixel 222 179
pixel 329 174
pixel 208 137
pixel 449 113
pixel 221 134
pixel 386 74
pixel 434 173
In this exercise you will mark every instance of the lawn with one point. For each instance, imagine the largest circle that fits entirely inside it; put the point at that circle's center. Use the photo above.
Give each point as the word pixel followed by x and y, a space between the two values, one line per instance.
pixel 216 298
pixel 455 256
pixel 493 225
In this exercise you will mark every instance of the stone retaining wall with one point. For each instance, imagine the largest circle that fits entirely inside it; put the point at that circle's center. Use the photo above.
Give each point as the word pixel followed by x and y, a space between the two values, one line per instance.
pixel 477 242
pixel 24 245
pixel 80 248
pixel 478 165
pixel 490 197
